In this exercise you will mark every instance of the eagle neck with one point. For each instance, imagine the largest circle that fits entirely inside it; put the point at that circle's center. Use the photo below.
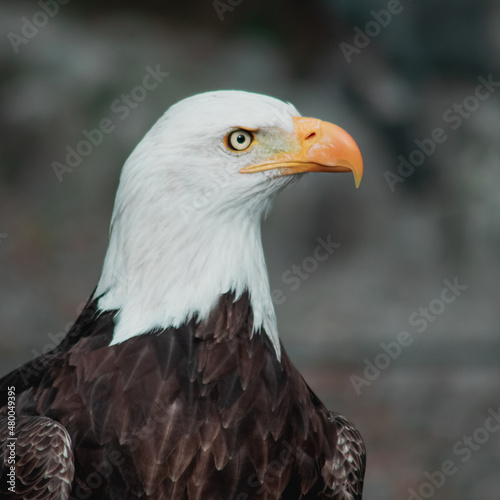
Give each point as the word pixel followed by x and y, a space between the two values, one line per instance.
pixel 163 276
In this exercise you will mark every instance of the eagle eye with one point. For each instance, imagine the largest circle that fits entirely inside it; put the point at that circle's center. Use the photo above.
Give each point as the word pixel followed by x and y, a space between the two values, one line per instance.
pixel 239 140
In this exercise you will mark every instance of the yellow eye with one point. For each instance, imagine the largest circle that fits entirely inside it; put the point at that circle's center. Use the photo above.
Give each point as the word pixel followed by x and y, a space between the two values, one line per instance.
pixel 239 140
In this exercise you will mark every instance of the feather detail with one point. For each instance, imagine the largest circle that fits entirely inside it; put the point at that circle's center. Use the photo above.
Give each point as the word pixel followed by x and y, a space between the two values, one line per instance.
pixel 196 411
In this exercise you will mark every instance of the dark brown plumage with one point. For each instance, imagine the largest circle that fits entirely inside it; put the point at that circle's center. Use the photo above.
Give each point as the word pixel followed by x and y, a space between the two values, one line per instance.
pixel 44 464
pixel 205 411
pixel 170 386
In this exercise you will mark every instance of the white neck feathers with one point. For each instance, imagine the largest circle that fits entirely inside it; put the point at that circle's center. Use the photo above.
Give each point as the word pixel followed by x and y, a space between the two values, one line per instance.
pixel 168 271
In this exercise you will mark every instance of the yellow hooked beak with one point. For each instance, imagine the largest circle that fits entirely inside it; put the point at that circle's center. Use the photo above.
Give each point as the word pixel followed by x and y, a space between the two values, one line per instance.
pixel 322 147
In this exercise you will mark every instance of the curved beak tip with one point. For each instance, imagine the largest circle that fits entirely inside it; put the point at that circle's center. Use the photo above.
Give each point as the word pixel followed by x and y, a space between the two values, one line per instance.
pixel 343 150
pixel 357 169
pixel 357 179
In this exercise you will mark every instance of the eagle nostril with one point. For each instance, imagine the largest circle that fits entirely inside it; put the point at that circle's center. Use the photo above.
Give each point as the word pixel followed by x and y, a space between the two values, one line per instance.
pixel 311 135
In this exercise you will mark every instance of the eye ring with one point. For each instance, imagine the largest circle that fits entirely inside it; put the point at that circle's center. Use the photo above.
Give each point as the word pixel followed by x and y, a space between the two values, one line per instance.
pixel 240 140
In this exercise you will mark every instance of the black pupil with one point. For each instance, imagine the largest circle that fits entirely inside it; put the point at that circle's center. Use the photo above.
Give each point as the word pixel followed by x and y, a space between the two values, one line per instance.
pixel 241 139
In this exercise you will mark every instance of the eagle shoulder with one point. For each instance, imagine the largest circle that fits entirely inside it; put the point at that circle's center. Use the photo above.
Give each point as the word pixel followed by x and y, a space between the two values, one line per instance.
pixel 44 463
pixel 344 473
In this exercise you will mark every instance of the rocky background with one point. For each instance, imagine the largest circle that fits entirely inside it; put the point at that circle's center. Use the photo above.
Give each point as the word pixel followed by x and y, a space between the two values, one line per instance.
pixel 399 328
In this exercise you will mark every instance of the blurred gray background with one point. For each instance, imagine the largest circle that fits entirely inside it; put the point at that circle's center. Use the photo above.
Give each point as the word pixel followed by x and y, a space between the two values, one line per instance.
pixel 395 75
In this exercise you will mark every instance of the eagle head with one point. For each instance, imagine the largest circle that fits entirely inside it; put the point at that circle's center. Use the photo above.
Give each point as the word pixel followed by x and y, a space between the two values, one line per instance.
pixel 186 222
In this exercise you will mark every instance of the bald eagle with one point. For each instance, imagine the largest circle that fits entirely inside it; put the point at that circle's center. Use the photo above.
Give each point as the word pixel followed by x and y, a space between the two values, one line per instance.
pixel 173 383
